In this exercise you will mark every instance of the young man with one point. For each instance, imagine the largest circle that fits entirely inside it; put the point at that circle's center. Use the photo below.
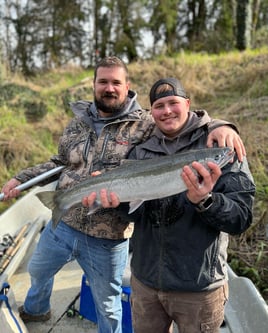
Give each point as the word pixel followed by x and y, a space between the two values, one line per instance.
pixel 179 268
pixel 100 135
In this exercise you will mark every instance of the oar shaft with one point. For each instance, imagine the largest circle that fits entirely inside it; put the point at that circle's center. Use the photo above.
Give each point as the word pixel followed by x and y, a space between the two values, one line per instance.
pixel 36 180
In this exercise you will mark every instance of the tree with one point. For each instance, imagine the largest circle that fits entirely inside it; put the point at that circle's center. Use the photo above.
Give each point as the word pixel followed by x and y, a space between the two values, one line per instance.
pixel 262 14
pixel 59 30
pixel 19 48
pixel 163 23
pixel 197 14
pixel 221 34
pixel 243 24
pixel 101 28
pixel 50 33
pixel 126 30
pixel 117 26
pixel 45 33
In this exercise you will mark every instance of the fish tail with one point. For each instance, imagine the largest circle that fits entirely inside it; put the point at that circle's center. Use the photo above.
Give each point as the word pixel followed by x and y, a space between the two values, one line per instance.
pixel 48 198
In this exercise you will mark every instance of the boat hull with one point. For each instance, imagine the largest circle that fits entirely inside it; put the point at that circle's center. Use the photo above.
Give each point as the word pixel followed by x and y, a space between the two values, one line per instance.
pixel 246 310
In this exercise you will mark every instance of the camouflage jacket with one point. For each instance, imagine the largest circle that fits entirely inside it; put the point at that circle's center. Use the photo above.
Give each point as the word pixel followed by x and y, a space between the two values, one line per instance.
pixel 88 144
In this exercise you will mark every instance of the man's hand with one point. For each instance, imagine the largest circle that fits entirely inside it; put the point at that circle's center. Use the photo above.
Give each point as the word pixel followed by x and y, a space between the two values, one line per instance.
pixel 107 200
pixel 9 189
pixel 199 186
pixel 225 136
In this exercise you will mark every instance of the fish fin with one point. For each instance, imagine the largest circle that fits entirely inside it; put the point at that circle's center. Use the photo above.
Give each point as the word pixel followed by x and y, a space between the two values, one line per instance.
pixel 94 207
pixel 57 214
pixel 133 205
pixel 48 199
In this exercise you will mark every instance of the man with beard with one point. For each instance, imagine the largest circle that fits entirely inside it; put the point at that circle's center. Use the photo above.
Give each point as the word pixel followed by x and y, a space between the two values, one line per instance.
pixel 97 138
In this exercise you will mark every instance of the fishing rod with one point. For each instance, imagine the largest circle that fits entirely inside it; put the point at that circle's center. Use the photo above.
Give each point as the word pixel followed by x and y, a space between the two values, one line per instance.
pixel 36 180
pixel 13 248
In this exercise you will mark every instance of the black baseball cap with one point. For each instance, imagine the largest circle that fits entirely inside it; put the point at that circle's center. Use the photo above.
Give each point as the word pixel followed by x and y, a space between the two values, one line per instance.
pixel 175 84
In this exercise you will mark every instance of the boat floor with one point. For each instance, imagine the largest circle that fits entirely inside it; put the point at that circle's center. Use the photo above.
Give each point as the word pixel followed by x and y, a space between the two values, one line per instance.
pixel 67 285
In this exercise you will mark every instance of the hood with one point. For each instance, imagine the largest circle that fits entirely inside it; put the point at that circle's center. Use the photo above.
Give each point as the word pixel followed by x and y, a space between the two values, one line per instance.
pixel 191 132
pixel 195 120
pixel 82 109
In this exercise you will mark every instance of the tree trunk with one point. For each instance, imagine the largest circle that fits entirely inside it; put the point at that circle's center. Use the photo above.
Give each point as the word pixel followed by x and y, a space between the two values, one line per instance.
pixel 243 24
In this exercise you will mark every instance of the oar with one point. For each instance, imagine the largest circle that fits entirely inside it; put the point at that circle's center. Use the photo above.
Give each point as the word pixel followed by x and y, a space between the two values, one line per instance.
pixel 36 180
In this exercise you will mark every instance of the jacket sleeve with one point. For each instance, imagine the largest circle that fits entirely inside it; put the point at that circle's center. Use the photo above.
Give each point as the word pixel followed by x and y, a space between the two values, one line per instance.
pixel 29 173
pixel 215 123
pixel 233 198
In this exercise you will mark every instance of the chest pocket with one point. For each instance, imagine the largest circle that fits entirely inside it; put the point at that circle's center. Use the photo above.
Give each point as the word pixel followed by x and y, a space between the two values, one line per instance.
pixel 112 148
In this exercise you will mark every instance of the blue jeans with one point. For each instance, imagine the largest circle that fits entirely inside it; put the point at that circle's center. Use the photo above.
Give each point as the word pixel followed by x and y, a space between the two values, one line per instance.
pixel 103 261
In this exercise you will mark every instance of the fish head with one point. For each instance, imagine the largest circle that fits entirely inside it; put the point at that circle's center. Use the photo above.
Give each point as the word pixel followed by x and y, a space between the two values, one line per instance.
pixel 222 156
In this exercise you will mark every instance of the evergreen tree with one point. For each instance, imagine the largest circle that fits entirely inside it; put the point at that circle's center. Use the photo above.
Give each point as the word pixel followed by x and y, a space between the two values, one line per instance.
pixel 243 24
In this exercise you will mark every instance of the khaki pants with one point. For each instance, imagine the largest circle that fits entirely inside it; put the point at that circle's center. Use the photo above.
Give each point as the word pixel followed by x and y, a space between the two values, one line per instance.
pixel 199 312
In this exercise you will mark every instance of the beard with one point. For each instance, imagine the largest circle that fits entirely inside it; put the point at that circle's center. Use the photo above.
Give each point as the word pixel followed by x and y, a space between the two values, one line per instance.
pixel 117 107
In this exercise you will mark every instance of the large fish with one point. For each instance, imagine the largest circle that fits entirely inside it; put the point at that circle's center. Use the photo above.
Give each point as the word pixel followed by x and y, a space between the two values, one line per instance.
pixel 135 181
